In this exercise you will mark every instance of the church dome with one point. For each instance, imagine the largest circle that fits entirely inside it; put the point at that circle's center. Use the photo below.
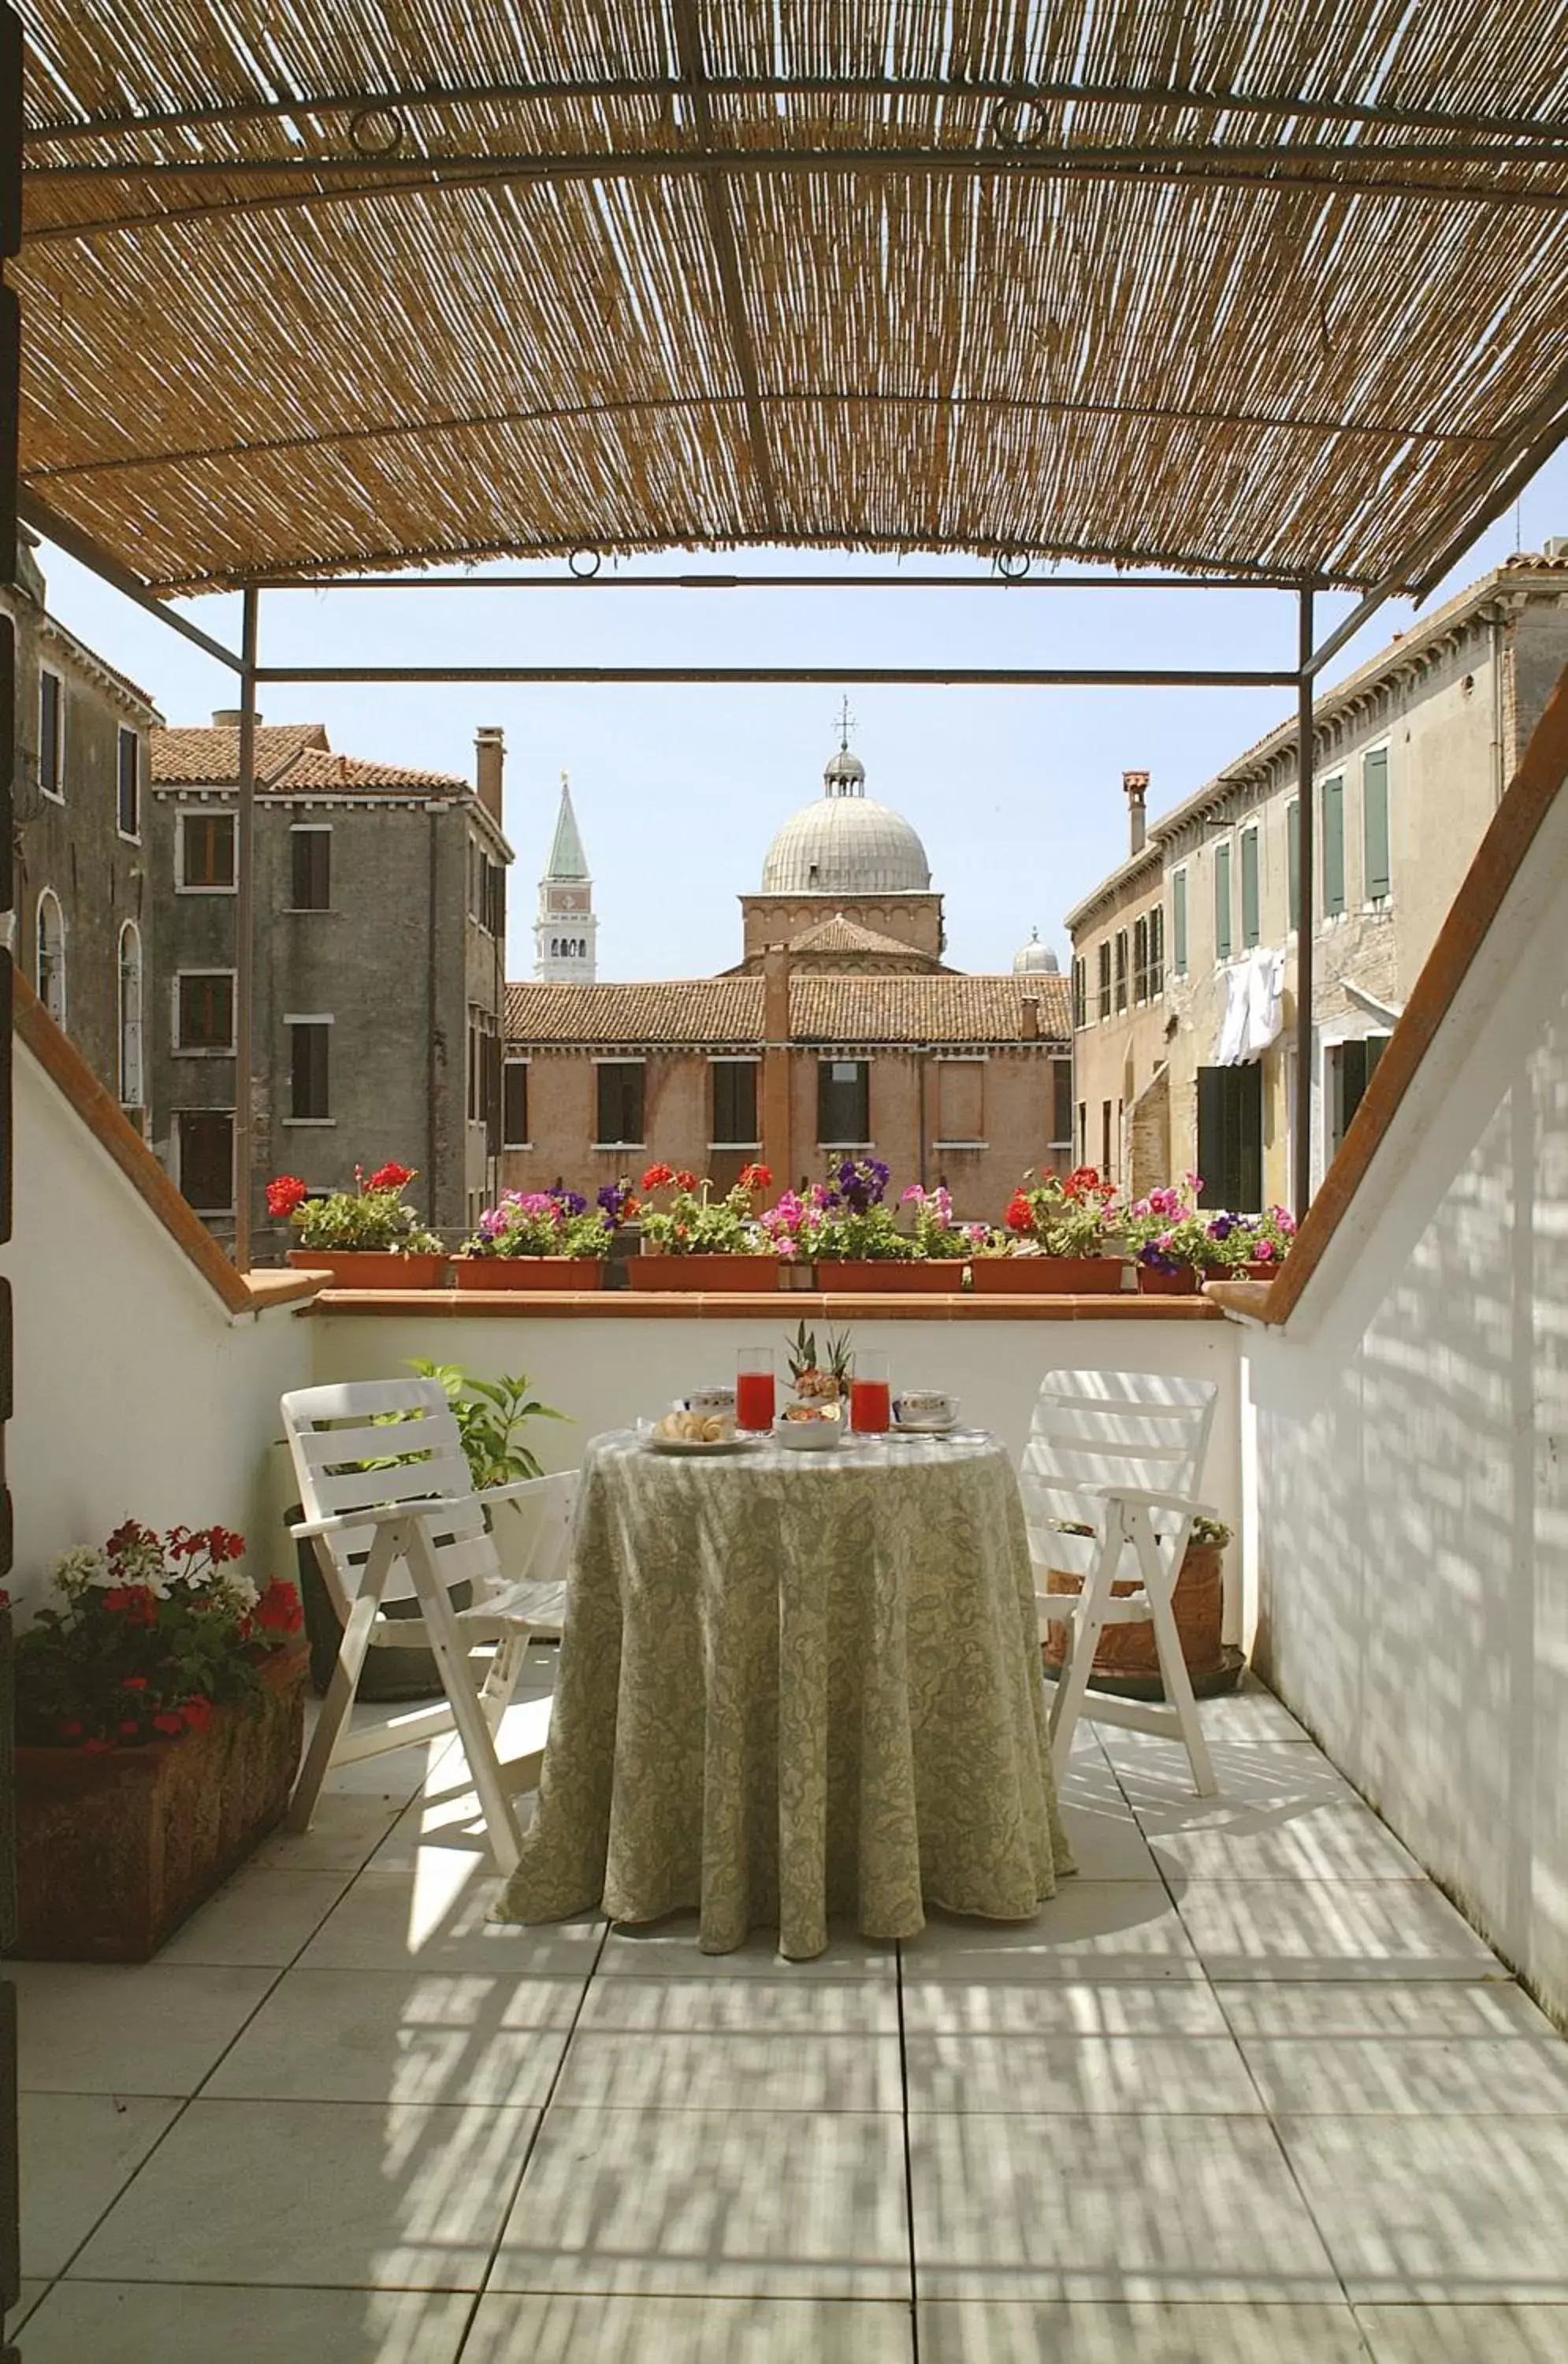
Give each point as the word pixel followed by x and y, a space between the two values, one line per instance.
pixel 1035 959
pixel 846 844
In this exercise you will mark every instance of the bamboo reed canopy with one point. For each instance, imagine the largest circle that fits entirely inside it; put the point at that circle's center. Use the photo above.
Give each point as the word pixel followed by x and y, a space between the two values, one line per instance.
pixel 1258 288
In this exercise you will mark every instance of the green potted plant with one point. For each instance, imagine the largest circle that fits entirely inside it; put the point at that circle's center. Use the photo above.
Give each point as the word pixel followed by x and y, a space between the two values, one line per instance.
pixel 160 1714
pixel 1126 1659
pixel 491 1417
pixel 846 1230
pixel 938 1239
pixel 1179 1246
pixel 695 1241
pixel 368 1237
pixel 538 1238
pixel 1063 1236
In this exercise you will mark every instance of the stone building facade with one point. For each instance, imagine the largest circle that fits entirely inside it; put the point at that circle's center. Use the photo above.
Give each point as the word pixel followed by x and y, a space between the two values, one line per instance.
pixel 378 978
pixel 1412 754
pixel 839 1029
pixel 83 920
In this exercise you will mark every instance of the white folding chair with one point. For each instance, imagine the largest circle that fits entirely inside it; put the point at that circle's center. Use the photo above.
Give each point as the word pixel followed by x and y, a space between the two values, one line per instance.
pixel 1117 1452
pixel 414 1525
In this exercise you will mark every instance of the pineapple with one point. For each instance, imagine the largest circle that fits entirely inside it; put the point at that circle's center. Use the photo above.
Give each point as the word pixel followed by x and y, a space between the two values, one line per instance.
pixel 811 1381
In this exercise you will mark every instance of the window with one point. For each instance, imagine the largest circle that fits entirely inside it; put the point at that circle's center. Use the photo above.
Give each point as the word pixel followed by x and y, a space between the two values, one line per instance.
pixel 1230 1138
pixel 130 1016
pixel 52 735
pixel 620 1103
pixel 734 1104
pixel 1292 859
pixel 1105 1138
pixel 1156 951
pixel 1080 996
pixel 843 1103
pixel 1062 1103
pixel 1141 960
pixel 514 1104
pixel 1121 968
pixel 1351 1067
pixel 485 1075
pixel 1333 846
pixel 204 1147
pixel 1104 979
pixel 310 854
pixel 205 852
pixel 1083 1133
pixel 1222 902
pixel 486 890
pixel 204 1009
pixel 1249 887
pixel 48 970
pixel 960 1102
pixel 1375 874
pixel 310 1096
pixel 129 786
pixel 1179 923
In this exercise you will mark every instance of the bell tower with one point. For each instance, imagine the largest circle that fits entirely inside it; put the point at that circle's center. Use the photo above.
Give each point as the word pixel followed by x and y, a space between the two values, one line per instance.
pixel 566 931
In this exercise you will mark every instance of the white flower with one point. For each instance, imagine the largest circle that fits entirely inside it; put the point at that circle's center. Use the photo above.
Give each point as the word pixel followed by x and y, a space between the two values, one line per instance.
pixel 76 1571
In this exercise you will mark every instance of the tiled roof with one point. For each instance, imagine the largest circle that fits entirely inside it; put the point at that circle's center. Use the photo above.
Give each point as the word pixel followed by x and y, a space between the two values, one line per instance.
pixel 291 759
pixel 697 1011
pixel 840 935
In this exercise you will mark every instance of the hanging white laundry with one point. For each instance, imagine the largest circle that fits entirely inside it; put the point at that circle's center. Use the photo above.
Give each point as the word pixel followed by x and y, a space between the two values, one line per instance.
pixel 1228 1049
pixel 1265 985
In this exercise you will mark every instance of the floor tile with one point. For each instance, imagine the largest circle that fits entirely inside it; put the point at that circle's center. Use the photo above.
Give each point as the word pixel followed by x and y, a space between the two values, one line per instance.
pixel 575 2330
pixel 1427 2007
pixel 1331 1929
pixel 434 1911
pixel 1109 2207
pixel 403 2036
pixel 1003 2331
pixel 1107 1842
pixel 346 1828
pixel 78 2151
pixel 1464 2334
pixel 1512 2076
pixel 745 2069
pixel 299 2193
pixel 670 1949
pixel 260 1918
pixel 1333 1841
pixel 139 2027
pixel 1089 1930
pixel 28 2294
pixel 1058 2008
pixel 163 2322
pixel 786 2004
pixel 715 2203
pixel 1439 2208
pixel 1148 2074
pixel 1270 1776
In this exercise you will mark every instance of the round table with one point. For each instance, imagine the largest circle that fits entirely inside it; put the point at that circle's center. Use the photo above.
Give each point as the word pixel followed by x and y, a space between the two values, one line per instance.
pixel 795 1685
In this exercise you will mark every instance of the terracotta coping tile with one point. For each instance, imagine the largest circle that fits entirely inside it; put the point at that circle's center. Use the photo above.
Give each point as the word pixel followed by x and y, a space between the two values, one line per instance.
pixel 680 1305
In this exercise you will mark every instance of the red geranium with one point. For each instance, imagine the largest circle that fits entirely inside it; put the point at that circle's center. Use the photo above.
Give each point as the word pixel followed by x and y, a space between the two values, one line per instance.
pixel 391 1176
pixel 686 1180
pixel 1020 1216
pixel 197 1713
pixel 658 1177
pixel 285 1194
pixel 756 1178
pixel 278 1610
pixel 134 1683
pixel 169 1722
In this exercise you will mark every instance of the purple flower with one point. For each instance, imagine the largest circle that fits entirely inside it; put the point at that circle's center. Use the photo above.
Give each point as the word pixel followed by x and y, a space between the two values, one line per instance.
pixel 571 1203
pixel 612 1198
pixel 1222 1227
pixel 861 1181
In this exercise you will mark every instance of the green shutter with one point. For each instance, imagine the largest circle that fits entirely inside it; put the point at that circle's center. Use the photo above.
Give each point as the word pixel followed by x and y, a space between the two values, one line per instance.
pixel 1374 824
pixel 1222 902
pixel 1292 859
pixel 1333 846
pixel 1179 923
pixel 1250 887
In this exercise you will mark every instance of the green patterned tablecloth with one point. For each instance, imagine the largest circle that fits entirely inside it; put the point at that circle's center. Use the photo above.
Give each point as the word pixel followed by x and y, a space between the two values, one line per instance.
pixel 795 1685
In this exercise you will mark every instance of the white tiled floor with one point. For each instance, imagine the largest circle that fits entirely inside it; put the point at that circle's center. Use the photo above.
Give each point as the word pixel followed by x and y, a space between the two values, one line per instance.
pixel 1249 2091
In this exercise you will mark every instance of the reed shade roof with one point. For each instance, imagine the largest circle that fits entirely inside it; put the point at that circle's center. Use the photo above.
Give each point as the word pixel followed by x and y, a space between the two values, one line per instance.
pixel 1232 287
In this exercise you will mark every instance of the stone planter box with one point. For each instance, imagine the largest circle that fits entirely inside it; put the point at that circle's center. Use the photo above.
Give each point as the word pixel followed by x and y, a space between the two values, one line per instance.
pixel 877 1276
pixel 1126 1653
pixel 114 1851
pixel 369 1268
pixel 527 1272
pixel 755 1274
pixel 1048 1276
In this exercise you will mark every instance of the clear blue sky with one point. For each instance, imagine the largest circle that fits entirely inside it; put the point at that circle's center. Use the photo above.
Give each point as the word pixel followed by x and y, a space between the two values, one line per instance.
pixel 1017 793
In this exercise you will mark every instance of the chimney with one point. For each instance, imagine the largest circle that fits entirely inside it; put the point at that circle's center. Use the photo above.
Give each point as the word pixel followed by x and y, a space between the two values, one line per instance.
pixel 227 718
pixel 489 761
pixel 1135 787
pixel 1030 1024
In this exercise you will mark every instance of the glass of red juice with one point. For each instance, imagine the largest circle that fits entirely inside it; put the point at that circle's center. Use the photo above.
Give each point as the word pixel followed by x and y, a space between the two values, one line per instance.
pixel 869 1407
pixel 754 1388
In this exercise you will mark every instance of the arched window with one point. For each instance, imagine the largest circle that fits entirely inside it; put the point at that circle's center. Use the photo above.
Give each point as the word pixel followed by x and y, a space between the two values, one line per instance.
pixel 130 1016
pixel 555 948
pixel 49 970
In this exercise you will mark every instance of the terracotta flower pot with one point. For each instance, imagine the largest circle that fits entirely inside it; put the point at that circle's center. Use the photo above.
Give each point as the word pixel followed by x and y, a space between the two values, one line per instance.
pixel 882 1275
pixel 115 1850
pixel 755 1274
pixel 1187 1282
pixel 528 1272
pixel 372 1267
pixel 1263 1271
pixel 1046 1276
pixel 1129 1651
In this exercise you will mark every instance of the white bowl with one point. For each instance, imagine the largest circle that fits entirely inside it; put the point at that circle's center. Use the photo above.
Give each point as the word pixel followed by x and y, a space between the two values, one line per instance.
pixel 809 1435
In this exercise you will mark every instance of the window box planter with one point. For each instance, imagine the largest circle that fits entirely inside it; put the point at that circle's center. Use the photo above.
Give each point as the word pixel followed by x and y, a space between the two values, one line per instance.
pixel 756 1275
pixel 1046 1276
pixel 1187 1282
pixel 372 1267
pixel 528 1272
pixel 114 1851
pixel 1126 1654
pixel 884 1275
